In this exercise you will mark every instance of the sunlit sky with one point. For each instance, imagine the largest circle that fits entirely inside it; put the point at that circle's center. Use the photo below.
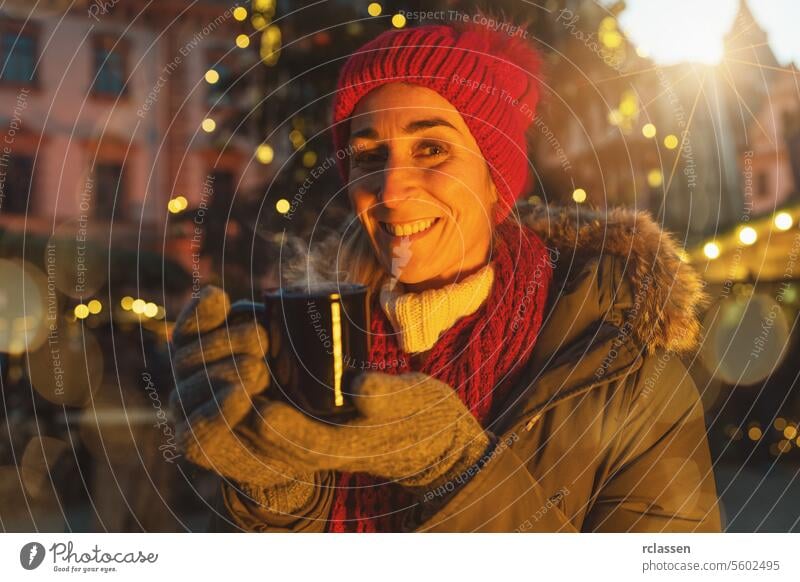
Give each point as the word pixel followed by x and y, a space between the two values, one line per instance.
pixel 691 30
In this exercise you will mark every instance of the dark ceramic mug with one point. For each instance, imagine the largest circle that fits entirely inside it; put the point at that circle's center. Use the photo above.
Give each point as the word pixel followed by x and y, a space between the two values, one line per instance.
pixel 318 342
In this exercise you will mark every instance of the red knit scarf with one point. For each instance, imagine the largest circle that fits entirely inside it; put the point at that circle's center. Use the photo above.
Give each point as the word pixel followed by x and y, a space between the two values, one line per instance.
pixel 477 356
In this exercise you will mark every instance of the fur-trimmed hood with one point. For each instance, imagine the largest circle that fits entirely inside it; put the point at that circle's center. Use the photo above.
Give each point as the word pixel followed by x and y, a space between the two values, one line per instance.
pixel 657 294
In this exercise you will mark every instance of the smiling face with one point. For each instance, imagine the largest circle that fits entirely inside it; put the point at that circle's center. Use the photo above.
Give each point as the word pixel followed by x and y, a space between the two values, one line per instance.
pixel 420 186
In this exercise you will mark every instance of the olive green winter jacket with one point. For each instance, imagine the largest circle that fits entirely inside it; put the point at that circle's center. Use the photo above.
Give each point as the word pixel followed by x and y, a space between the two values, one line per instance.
pixel 604 431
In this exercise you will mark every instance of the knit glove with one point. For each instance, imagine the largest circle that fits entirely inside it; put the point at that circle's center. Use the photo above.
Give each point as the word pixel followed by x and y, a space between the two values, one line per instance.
pixel 219 366
pixel 412 429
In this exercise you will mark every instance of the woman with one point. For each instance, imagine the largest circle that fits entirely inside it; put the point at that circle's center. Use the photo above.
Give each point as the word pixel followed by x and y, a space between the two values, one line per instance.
pixel 532 381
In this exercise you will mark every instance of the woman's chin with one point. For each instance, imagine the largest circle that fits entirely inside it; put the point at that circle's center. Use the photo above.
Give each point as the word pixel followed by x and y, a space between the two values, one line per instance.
pixel 408 274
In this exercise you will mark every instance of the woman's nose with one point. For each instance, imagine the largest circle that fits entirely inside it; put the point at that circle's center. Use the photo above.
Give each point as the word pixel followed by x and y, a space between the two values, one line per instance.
pixel 397 183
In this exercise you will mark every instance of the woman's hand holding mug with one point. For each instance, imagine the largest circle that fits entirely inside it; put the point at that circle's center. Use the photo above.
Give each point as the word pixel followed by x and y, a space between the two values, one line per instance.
pixel 411 428
pixel 221 372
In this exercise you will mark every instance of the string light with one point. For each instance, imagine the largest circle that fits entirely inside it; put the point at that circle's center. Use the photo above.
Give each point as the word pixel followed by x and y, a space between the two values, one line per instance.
pixel 95 306
pixel 629 104
pixel 783 221
pixel 264 5
pixel 711 250
pixel 258 21
pixel 374 9
pixel 150 309
pixel 240 13
pixel 126 303
pixel 282 206
pixel 655 178
pixel 138 306
pixel 671 142
pixel 81 311
pixel 608 33
pixel 177 204
pixel 649 130
pixel 398 21
pixel 208 125
pixel 211 76
pixel 754 433
pixel 270 45
pixel 264 153
pixel 748 235
pixel 579 195
pixel 309 159
pixel 297 139
pixel 243 41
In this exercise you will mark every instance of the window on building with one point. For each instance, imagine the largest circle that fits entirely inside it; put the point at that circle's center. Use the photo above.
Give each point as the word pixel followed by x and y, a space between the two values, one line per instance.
pixel 762 185
pixel 109 191
pixel 18 49
pixel 109 66
pixel 18 186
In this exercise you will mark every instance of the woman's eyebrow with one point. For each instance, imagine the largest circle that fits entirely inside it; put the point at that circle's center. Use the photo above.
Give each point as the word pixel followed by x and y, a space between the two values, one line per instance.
pixel 412 127
pixel 421 124
pixel 366 133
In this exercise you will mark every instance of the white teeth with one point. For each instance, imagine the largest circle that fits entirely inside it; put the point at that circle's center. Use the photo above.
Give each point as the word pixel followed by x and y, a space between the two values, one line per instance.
pixel 408 228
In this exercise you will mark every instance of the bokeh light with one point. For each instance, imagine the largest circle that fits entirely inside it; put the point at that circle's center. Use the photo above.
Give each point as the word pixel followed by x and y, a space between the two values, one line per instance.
pixel 27 300
pixel 240 13
pixel 208 125
pixel 211 76
pixel 67 369
pixel 655 178
pixel 711 250
pixel 177 204
pixel 783 221
pixel 264 153
pixel 75 261
pixel 745 339
pixel 243 41
pixel 748 235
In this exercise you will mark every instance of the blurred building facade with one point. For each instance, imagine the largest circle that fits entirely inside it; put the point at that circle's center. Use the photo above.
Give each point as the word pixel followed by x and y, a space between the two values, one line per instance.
pixel 675 140
pixel 106 102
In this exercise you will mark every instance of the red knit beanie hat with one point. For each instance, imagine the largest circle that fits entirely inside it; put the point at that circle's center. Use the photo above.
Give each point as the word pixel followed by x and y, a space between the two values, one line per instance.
pixel 487 74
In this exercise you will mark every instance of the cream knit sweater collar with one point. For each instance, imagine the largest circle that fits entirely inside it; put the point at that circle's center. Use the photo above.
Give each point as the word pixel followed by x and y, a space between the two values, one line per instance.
pixel 420 318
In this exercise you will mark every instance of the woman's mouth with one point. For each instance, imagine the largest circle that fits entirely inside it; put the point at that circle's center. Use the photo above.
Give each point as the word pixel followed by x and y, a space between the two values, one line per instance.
pixel 409 229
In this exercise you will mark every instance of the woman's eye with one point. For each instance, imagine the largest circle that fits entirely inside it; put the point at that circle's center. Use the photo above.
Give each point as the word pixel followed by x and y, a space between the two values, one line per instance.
pixel 432 150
